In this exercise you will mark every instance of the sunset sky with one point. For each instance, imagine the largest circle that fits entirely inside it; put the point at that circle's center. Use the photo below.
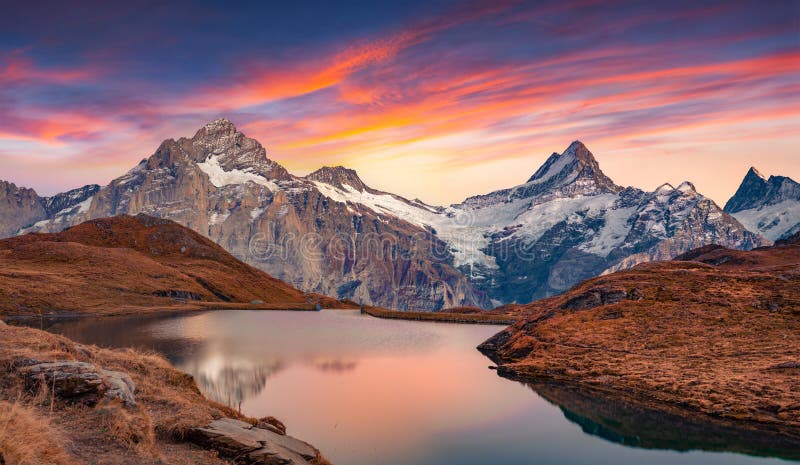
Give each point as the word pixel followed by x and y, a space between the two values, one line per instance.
pixel 437 99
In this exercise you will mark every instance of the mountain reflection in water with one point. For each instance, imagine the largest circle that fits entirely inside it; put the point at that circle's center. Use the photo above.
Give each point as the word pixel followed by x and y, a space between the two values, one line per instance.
pixel 634 424
pixel 368 391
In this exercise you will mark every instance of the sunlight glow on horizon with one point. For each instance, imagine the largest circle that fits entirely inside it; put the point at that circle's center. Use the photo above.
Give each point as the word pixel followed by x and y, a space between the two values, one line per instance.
pixel 443 107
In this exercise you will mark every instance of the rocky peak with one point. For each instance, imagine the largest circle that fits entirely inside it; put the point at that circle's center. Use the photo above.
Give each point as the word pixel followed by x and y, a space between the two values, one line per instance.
pixel 69 199
pixel 220 126
pixel 756 191
pixel 9 189
pixel 573 172
pixel 19 207
pixel 665 188
pixel 686 187
pixel 338 176
pixel 220 150
pixel 220 144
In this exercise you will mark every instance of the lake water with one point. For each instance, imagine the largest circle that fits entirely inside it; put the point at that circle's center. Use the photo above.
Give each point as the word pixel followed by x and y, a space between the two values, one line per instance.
pixel 368 391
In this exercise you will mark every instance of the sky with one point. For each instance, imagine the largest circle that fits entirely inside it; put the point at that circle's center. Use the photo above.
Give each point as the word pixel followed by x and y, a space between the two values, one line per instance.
pixel 436 100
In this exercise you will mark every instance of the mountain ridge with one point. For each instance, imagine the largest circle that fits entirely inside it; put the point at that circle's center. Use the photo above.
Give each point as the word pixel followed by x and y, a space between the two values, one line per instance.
pixel 132 264
pixel 770 206
pixel 510 245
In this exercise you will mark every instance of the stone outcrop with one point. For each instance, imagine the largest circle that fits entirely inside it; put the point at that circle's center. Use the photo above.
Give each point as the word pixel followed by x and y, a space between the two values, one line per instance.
pixel 19 207
pixel 253 445
pixel 79 381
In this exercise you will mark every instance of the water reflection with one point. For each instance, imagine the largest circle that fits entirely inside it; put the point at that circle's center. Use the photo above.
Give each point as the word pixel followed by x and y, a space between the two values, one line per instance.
pixel 369 391
pixel 636 425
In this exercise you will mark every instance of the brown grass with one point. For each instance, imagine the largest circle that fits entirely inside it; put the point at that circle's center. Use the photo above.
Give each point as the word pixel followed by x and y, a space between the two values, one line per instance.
pixel 32 424
pixel 704 335
pixel 28 438
pixel 134 264
pixel 485 317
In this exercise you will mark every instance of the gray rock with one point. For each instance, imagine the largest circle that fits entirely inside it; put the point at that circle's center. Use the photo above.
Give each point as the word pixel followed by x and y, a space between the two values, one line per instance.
pixel 253 445
pixel 272 424
pixel 80 381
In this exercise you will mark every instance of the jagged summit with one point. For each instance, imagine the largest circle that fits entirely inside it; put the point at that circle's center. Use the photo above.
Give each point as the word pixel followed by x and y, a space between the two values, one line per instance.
pixel 338 176
pixel 754 172
pixel 756 190
pixel 769 206
pixel 666 187
pixel 573 172
pixel 686 186
pixel 219 125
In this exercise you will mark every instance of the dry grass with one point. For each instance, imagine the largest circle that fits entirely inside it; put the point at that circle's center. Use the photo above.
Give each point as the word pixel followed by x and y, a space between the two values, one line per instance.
pixel 134 264
pixel 484 317
pixel 702 336
pixel 28 438
pixel 168 405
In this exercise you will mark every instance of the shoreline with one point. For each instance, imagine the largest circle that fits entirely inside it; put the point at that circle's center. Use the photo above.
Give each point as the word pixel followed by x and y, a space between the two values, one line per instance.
pixel 145 311
pixel 441 317
pixel 632 396
pixel 162 416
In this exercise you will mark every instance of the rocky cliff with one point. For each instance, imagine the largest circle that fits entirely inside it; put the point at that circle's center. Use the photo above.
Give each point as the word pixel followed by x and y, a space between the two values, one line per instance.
pixel 222 184
pixel 330 233
pixel 770 207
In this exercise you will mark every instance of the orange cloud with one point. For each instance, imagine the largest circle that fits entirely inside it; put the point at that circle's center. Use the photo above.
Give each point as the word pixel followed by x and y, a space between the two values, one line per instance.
pixel 14 67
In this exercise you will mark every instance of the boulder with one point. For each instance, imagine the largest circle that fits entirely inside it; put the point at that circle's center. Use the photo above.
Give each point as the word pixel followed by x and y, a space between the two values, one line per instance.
pixel 80 381
pixel 272 424
pixel 598 297
pixel 253 445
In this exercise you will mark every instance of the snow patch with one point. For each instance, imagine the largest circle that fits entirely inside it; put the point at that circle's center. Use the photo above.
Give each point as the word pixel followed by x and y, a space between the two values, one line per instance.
pixel 771 221
pixel 220 178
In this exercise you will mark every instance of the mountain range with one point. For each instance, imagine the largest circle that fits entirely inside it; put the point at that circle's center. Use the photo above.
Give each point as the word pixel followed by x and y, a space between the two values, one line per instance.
pixel 330 233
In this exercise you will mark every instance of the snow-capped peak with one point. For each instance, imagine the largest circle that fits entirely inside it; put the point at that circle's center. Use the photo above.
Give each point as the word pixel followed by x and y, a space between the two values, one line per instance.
pixel 220 124
pixel 665 188
pixel 338 176
pixel 573 172
pixel 686 187
pixel 574 156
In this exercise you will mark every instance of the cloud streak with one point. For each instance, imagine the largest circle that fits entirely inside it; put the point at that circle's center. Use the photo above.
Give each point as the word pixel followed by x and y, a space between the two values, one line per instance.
pixel 467 85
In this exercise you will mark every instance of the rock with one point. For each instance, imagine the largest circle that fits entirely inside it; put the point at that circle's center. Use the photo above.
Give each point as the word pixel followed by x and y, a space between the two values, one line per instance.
pixel 253 445
pixel 272 424
pixel 786 366
pixel 120 386
pixel 83 350
pixel 595 298
pixel 80 381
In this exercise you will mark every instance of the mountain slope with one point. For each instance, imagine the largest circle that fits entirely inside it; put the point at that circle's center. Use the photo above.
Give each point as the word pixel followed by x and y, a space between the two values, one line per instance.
pixel 19 207
pixel 125 262
pixel 221 184
pixel 567 223
pixel 770 207
pixel 330 233
pixel 715 331
pixel 22 208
